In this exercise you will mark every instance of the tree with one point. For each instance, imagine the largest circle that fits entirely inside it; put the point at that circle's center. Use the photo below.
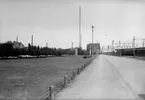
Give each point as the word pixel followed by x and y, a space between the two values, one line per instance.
pixel 6 50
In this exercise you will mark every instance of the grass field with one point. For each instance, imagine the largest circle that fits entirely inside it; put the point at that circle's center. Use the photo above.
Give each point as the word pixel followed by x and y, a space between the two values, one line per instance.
pixel 29 79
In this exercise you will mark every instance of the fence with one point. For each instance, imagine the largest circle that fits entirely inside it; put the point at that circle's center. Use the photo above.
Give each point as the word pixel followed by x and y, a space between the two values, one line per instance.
pixel 53 90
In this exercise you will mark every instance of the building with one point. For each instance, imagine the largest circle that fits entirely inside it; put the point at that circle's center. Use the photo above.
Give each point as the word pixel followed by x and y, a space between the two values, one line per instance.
pixel 93 48
pixel 76 51
pixel 17 45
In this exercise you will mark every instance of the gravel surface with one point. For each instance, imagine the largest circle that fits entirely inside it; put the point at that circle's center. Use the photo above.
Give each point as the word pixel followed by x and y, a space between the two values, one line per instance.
pixel 102 79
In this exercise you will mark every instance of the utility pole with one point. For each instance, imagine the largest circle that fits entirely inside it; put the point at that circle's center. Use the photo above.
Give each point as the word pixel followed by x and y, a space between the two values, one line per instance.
pixel 112 45
pixel 92 34
pixel 90 49
pixel 0 31
pixel 92 39
pixel 133 42
pixel 32 40
pixel 80 38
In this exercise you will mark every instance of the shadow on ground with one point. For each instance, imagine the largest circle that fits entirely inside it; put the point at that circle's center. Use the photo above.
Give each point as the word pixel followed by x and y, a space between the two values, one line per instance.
pixel 142 96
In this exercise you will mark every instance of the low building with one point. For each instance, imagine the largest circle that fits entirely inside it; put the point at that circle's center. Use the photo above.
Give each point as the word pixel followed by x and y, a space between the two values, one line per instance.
pixel 93 48
pixel 76 51
pixel 17 45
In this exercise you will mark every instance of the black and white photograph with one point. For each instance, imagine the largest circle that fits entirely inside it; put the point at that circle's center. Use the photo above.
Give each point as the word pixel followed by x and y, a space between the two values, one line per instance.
pixel 72 49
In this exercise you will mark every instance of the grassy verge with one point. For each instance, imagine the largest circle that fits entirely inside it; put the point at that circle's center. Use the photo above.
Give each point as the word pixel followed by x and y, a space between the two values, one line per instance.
pixel 29 79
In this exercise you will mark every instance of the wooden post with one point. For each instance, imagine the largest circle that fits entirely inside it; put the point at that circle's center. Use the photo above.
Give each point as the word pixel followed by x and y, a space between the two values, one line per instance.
pixel 83 67
pixel 73 74
pixel 65 80
pixel 50 92
pixel 78 70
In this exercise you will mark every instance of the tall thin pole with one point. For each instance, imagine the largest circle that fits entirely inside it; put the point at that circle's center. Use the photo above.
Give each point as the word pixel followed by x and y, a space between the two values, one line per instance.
pixel 92 39
pixel 0 31
pixel 90 49
pixel 32 40
pixel 92 34
pixel 80 38
pixel 112 45
pixel 133 42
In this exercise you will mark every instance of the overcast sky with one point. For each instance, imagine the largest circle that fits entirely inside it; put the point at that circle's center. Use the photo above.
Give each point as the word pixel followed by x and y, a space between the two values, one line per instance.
pixel 57 22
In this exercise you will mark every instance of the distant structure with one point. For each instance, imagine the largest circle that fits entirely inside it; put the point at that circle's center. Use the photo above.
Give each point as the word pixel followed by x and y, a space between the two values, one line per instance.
pixel 76 51
pixel 80 37
pixel 0 31
pixel 47 45
pixel 32 40
pixel 16 45
pixel 72 45
pixel 17 39
pixel 113 45
pixel 92 34
pixel 93 48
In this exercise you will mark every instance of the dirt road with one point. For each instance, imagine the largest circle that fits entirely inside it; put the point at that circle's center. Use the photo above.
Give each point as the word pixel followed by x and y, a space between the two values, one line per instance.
pixel 100 80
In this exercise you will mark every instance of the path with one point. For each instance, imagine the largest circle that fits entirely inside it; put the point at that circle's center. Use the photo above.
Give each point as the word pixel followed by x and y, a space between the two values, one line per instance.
pixel 100 80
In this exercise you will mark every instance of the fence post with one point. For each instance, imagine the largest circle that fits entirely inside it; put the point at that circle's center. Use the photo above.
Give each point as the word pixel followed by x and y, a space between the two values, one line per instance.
pixel 50 92
pixel 65 80
pixel 85 65
pixel 82 68
pixel 78 70
pixel 68 80
pixel 74 74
